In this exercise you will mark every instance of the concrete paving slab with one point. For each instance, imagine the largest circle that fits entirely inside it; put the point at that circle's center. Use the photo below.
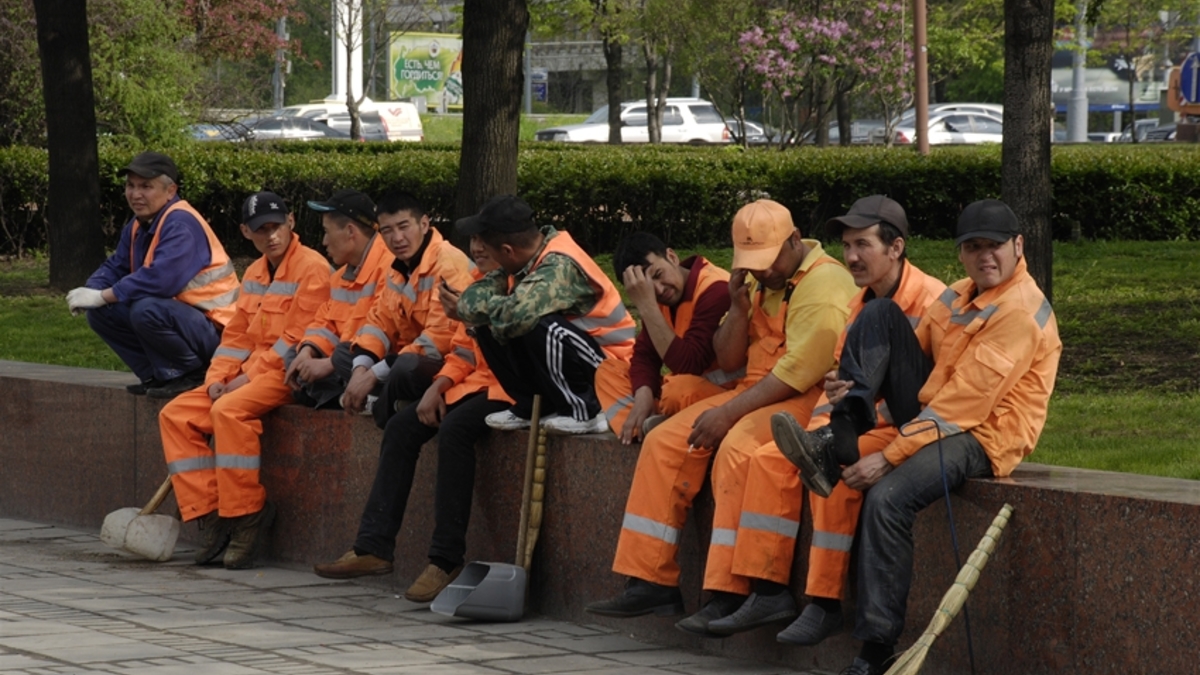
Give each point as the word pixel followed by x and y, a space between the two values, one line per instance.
pixel 349 624
pixel 566 663
pixel 413 633
pixel 264 577
pixel 491 650
pixel 590 644
pixel 185 617
pixel 363 656
pixel 128 650
pixel 12 628
pixel 300 609
pixel 265 635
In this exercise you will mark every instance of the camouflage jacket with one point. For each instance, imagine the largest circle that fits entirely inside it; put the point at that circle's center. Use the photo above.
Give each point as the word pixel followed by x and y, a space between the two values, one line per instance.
pixel 557 285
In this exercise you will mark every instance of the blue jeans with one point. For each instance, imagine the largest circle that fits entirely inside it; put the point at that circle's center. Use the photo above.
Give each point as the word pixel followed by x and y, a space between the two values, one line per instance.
pixel 158 338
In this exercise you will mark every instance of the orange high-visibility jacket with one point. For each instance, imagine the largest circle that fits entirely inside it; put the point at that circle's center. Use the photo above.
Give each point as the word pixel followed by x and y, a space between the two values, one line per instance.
pixel 607 322
pixel 351 295
pixel 408 317
pixel 272 314
pixel 709 274
pixel 214 290
pixel 995 358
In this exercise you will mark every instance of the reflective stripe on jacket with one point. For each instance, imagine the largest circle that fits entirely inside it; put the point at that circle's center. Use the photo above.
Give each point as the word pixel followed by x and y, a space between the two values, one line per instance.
pixel 214 290
pixel 350 299
pixel 408 317
pixel 607 322
pixel 995 359
pixel 272 314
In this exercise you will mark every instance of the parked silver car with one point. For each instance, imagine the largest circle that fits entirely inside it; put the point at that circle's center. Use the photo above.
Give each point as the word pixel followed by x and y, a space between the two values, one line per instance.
pixel 292 129
pixel 685 120
pixel 955 128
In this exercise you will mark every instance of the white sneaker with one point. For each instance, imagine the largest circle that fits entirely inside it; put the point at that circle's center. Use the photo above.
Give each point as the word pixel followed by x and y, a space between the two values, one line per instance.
pixel 505 420
pixel 563 425
pixel 369 406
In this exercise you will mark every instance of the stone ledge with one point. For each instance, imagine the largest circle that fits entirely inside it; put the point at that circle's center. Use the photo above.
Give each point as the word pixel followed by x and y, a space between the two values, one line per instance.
pixel 1093 574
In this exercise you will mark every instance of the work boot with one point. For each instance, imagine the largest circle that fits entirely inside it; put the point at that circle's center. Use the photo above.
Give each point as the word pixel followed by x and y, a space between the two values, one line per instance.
pixel 640 597
pixel 248 537
pixel 811 452
pixel 719 606
pixel 813 626
pixel 431 582
pixel 861 666
pixel 214 531
pixel 140 388
pixel 351 565
pixel 757 610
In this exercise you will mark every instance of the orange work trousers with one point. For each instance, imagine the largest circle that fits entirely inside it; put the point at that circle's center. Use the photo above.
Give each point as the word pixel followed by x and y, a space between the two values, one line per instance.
pixel 835 521
pixel 668 476
pixel 747 515
pixel 615 392
pixel 225 477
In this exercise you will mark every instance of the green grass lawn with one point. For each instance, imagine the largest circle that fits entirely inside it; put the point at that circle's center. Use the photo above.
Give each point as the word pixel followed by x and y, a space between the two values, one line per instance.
pixel 1128 391
pixel 448 128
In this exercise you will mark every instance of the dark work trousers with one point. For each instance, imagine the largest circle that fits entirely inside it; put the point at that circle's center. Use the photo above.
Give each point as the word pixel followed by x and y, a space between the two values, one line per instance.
pixel 885 530
pixel 403 437
pixel 158 338
pixel 555 359
pixel 408 379
pixel 884 359
pixel 325 392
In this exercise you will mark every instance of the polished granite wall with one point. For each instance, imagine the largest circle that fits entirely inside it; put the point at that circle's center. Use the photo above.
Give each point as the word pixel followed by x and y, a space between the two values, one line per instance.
pixel 1095 573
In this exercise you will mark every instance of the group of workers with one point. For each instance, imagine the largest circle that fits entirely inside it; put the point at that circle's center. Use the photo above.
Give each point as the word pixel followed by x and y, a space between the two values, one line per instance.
pixel 871 384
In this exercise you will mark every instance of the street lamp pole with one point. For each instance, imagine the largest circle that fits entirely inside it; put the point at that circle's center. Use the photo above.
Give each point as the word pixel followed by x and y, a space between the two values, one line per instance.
pixel 920 52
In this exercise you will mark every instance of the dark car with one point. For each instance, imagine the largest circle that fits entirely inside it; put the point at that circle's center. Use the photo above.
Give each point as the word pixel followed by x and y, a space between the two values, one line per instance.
pixel 1162 132
pixel 292 129
pixel 756 134
pixel 233 132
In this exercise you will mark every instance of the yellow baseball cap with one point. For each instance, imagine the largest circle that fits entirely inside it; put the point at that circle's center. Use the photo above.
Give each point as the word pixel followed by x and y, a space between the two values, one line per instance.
pixel 759 230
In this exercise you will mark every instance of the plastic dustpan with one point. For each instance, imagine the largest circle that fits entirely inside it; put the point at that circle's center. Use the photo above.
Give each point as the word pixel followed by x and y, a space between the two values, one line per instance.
pixel 487 591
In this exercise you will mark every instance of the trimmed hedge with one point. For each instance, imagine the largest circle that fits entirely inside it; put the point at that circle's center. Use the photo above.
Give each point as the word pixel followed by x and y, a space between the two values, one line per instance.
pixel 686 194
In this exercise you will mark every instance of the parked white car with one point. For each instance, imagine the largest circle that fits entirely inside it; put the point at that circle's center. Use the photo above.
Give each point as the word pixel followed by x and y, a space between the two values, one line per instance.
pixel 685 120
pixel 956 127
pixel 908 118
pixel 400 119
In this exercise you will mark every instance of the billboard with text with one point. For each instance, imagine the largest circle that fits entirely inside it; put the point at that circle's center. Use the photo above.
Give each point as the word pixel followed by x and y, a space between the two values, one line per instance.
pixel 426 64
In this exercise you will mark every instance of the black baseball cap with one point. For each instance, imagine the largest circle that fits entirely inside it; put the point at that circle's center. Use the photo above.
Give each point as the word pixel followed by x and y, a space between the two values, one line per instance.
pixel 505 213
pixel 264 207
pixel 988 219
pixel 350 203
pixel 152 165
pixel 870 211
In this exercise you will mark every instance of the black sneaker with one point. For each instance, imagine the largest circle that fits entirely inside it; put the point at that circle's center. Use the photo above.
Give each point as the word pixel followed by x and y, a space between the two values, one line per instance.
pixel 757 610
pixel 811 452
pixel 813 626
pixel 721 605
pixel 640 597
pixel 172 388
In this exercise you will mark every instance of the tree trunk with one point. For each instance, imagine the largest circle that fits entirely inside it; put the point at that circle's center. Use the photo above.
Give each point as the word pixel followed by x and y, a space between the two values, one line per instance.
pixel 843 117
pixel 612 82
pixel 1025 151
pixel 73 205
pixel 653 120
pixel 493 45
pixel 820 110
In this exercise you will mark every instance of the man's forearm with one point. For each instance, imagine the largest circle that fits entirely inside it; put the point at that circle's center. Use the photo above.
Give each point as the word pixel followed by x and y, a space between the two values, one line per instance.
pixel 767 391
pixel 731 342
pixel 656 327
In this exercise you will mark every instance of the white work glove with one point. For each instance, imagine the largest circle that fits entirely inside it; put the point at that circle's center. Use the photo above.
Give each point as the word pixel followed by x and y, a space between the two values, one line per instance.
pixel 83 298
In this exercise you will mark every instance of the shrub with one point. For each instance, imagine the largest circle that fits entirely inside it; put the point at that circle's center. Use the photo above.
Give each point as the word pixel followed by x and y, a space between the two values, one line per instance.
pixel 686 194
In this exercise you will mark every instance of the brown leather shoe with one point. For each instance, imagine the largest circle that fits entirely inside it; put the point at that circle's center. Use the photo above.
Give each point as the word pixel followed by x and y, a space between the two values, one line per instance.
pixel 431 582
pixel 352 565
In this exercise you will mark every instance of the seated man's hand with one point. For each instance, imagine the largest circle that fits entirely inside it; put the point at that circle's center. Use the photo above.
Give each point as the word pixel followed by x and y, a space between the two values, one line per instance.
pixel 449 299
pixel 236 383
pixel 739 292
pixel 82 298
pixel 867 471
pixel 711 427
pixel 835 389
pixel 639 288
pixel 215 390
pixel 307 368
pixel 432 407
pixel 361 383
pixel 643 407
pixel 292 376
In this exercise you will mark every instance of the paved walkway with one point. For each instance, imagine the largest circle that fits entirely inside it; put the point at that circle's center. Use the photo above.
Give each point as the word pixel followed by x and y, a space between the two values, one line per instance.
pixel 70 605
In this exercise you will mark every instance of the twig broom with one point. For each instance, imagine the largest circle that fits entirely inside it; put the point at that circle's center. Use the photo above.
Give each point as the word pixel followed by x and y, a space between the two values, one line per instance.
pixel 534 491
pixel 911 661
